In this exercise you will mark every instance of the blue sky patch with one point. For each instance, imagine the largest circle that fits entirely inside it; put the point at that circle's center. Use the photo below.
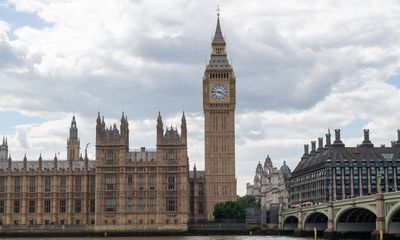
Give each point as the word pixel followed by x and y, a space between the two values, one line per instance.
pixel 10 119
pixel 394 80
pixel 354 129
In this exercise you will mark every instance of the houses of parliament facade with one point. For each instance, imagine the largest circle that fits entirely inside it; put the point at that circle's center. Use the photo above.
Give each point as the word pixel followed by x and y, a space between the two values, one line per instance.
pixel 125 190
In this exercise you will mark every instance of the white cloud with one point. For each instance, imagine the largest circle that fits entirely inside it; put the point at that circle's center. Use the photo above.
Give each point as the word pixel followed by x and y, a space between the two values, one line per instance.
pixel 301 67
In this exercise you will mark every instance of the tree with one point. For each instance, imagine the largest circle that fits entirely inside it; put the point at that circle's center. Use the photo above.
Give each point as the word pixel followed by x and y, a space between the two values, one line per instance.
pixel 235 209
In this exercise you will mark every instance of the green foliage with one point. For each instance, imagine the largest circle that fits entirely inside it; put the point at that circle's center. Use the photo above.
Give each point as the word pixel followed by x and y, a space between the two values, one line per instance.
pixel 235 209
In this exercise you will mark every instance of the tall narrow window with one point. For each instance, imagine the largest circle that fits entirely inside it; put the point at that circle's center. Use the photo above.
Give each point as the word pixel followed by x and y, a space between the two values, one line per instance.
pixel 63 183
pixel 110 182
pixel 78 205
pixel 47 205
pixel 130 183
pixel 171 205
pixel 129 204
pixel 152 205
pixel 47 184
pixel 110 157
pixel 1 206
pixel 63 204
pixel 32 206
pixel 16 206
pixel 78 183
pixel 152 182
pixel 110 205
pixel 17 185
pixel 141 182
pixel 92 205
pixel 92 184
pixel 141 204
pixel 171 182
pixel 32 184
pixel 2 184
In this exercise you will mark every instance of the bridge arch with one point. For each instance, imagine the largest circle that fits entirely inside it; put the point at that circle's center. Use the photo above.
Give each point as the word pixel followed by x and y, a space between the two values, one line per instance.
pixel 356 219
pixel 393 219
pixel 290 222
pixel 317 219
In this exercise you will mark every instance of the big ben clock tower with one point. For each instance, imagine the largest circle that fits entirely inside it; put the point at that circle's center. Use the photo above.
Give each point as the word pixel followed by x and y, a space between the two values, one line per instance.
pixel 219 98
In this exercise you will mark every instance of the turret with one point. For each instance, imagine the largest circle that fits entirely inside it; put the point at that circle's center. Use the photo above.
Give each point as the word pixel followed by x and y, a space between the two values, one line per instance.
pixel 40 162
pixel 9 163
pixel 98 124
pixel 183 128
pixel 25 163
pixel 73 142
pixel 4 150
pixel 125 128
pixel 218 43
pixel 160 128
pixel 55 162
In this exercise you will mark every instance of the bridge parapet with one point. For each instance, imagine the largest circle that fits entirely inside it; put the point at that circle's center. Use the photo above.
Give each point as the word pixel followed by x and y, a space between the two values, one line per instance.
pixel 383 209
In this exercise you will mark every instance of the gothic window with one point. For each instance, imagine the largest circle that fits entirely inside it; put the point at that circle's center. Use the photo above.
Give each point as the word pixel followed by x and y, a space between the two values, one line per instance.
pixel 152 182
pixel 16 206
pixel 130 183
pixel 2 184
pixel 141 204
pixel 47 184
pixel 92 184
pixel 171 156
pixel 171 182
pixel 17 184
pixel 110 157
pixel 47 205
pixel 141 182
pixel 78 205
pixel 63 183
pixel 32 184
pixel 92 204
pixel 78 183
pixel 110 205
pixel 1 206
pixel 110 182
pixel 171 204
pixel 72 154
pixel 152 205
pixel 62 206
pixel 129 205
pixel 32 206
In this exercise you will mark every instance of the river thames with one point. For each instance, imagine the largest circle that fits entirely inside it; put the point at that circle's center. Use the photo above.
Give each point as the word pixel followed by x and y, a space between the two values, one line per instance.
pixel 176 238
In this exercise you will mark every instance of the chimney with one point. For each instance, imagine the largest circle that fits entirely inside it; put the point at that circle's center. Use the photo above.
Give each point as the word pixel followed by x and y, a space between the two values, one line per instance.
pixel 320 143
pixel 328 139
pixel 313 148
pixel 366 142
pixel 338 141
pixel 398 135
pixel 305 149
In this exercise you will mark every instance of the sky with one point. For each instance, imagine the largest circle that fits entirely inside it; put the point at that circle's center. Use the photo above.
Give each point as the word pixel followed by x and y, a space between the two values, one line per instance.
pixel 301 67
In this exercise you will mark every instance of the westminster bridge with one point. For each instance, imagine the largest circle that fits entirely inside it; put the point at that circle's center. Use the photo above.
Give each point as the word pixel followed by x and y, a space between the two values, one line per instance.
pixel 378 212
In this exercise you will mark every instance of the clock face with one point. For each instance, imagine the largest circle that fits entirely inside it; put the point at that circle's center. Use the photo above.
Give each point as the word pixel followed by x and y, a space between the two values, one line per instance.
pixel 219 91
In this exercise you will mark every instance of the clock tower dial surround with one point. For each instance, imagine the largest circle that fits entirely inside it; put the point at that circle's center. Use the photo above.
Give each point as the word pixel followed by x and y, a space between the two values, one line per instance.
pixel 219 100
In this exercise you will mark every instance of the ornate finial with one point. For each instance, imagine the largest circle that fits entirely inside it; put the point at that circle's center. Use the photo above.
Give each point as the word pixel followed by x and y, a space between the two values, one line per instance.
pixel 218 10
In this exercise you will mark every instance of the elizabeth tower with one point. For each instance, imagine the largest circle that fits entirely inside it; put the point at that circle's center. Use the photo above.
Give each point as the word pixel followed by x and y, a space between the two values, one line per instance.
pixel 219 98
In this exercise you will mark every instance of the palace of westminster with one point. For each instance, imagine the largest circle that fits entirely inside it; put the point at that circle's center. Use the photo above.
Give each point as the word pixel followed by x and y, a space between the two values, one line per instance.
pixel 130 190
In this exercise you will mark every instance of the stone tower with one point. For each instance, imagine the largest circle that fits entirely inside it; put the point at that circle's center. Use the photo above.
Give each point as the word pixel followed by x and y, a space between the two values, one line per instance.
pixel 4 150
pixel 73 143
pixel 219 98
